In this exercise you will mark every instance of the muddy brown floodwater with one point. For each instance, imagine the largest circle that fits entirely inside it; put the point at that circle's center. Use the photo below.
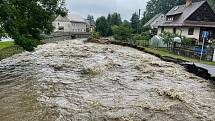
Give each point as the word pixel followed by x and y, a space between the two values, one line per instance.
pixel 76 81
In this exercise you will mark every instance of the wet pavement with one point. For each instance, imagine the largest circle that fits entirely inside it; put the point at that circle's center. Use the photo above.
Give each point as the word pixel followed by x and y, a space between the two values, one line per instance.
pixel 76 81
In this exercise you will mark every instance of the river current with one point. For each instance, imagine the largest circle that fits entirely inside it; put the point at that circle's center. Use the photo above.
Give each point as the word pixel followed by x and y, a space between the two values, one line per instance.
pixel 76 81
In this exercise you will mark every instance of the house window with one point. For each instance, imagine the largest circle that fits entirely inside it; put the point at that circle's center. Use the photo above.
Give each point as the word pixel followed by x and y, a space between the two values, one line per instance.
pixel 190 31
pixel 162 29
pixel 170 19
pixel 174 30
pixel 61 28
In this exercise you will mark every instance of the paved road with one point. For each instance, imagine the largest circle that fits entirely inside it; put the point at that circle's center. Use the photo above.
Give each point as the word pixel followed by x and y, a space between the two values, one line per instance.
pixel 210 68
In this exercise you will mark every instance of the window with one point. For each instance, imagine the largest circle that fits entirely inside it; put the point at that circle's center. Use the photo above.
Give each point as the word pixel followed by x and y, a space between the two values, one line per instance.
pixel 190 31
pixel 174 30
pixel 170 19
pixel 162 29
pixel 61 28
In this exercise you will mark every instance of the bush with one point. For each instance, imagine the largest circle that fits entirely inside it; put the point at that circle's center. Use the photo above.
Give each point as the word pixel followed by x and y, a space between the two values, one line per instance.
pixel 122 32
pixel 187 41
pixel 168 37
pixel 27 43
pixel 95 35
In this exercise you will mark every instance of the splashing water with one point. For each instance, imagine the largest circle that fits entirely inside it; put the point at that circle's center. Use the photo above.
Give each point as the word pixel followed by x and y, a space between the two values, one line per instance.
pixel 76 81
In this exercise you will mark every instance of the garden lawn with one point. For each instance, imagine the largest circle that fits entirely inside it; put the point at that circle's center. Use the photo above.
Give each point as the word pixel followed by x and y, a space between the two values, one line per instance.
pixel 8 49
pixel 6 44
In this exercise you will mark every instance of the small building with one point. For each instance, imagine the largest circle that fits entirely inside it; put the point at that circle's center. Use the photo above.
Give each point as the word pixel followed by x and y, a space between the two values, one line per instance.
pixel 91 25
pixel 70 23
pixel 156 21
pixel 190 20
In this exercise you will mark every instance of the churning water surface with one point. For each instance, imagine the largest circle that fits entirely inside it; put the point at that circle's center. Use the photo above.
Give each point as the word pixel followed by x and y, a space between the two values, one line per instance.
pixel 76 81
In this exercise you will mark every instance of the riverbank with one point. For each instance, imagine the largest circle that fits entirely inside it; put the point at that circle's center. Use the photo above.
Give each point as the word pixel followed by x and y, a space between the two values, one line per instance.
pixel 8 49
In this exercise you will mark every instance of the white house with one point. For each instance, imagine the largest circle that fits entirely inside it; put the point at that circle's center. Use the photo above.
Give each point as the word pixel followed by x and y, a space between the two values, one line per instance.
pixel 190 20
pixel 70 23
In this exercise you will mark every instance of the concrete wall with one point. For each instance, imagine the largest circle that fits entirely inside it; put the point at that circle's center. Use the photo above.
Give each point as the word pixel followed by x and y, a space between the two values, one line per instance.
pixel 182 31
pixel 61 36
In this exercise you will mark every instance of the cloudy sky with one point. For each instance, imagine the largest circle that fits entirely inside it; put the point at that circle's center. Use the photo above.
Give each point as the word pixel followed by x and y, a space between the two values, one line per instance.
pixel 103 7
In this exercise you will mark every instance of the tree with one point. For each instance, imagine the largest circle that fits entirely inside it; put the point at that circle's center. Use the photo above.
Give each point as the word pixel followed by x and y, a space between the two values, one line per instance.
pixel 135 22
pixel 126 23
pixel 26 20
pixel 122 32
pixel 116 19
pixel 109 18
pixel 101 26
pixel 90 18
pixel 212 3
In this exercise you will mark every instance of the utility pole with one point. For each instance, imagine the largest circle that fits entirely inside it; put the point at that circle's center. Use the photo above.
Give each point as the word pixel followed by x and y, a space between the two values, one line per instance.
pixel 139 25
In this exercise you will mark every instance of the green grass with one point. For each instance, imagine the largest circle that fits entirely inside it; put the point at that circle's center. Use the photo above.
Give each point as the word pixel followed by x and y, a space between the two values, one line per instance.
pixel 164 52
pixel 8 49
pixel 6 44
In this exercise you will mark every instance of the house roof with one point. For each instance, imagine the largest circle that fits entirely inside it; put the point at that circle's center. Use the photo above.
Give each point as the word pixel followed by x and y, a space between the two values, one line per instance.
pixel 184 13
pixel 152 20
pixel 90 23
pixel 70 18
pixel 62 19
pixel 75 18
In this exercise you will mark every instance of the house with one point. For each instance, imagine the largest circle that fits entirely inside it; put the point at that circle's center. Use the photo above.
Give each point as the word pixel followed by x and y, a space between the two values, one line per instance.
pixel 70 23
pixel 156 21
pixel 91 25
pixel 190 20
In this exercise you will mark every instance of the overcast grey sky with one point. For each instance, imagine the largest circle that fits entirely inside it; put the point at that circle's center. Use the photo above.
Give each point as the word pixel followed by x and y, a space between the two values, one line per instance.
pixel 103 7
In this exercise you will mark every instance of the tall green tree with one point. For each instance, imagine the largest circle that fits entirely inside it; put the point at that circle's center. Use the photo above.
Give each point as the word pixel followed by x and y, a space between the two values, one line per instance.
pixel 116 19
pixel 26 20
pixel 212 3
pixel 90 18
pixel 101 26
pixel 109 18
pixel 135 22
pixel 109 29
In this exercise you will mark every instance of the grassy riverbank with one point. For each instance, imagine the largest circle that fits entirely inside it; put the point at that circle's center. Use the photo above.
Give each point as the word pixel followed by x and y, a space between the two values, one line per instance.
pixel 8 49
pixel 164 52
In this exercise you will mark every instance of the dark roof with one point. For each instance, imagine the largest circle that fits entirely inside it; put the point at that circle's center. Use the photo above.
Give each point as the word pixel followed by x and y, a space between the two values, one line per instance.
pixel 70 18
pixel 152 20
pixel 185 12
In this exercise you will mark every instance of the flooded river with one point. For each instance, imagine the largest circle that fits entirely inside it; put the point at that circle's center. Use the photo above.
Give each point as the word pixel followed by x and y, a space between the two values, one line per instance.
pixel 76 81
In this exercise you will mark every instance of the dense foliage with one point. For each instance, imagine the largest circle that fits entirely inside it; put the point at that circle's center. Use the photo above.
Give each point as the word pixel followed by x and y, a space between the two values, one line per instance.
pixel 122 32
pixel 135 22
pixel 101 26
pixel 104 25
pixel 26 20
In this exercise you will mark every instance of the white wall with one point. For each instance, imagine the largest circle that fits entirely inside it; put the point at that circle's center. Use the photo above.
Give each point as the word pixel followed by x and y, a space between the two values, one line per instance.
pixel 182 31
pixel 70 26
